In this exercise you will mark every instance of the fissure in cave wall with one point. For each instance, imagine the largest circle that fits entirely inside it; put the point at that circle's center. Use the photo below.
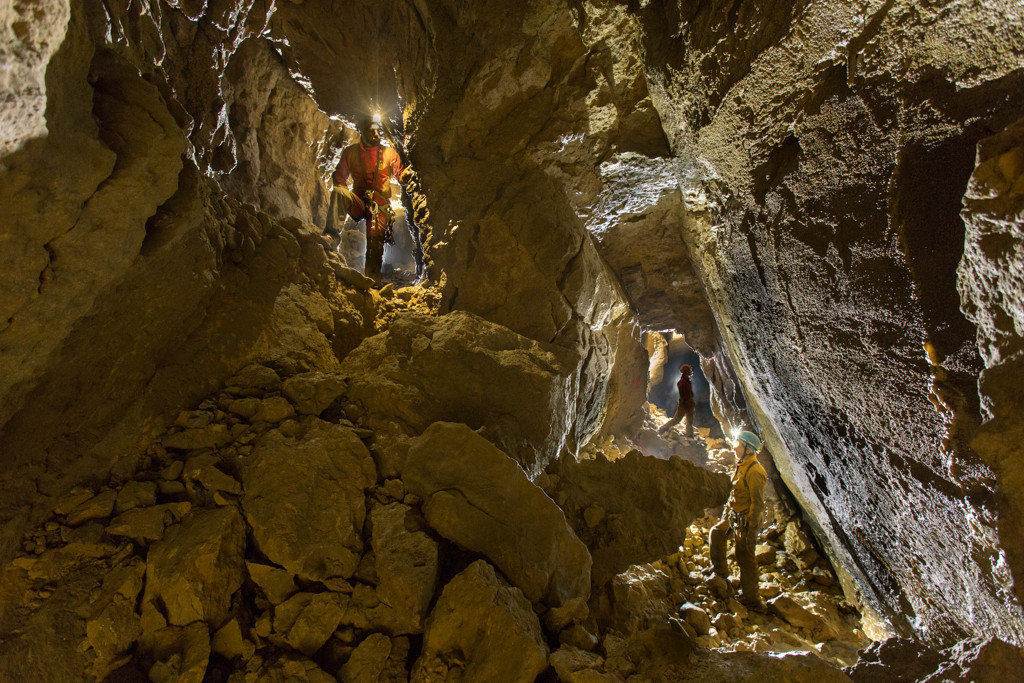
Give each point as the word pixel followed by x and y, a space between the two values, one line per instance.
pixel 780 182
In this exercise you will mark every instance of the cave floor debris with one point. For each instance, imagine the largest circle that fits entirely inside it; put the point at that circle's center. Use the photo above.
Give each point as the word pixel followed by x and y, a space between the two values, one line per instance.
pixel 807 611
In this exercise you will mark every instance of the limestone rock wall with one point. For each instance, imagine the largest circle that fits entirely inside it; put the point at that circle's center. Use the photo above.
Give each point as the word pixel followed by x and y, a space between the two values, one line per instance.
pixel 499 139
pixel 157 231
pixel 989 279
pixel 822 150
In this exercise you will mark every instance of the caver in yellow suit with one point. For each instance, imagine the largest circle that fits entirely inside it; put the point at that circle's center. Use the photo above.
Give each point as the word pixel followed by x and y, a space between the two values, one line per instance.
pixel 742 518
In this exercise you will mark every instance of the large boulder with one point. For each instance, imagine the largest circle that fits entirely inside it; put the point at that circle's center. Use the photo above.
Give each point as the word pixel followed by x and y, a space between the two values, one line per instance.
pixel 407 563
pixel 305 499
pixel 461 368
pixel 197 566
pixel 481 629
pixel 478 497
pixel 635 509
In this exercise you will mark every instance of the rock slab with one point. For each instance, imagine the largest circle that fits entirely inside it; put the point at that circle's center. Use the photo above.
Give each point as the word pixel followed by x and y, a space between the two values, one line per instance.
pixel 478 497
pixel 197 567
pixel 305 499
pixel 481 630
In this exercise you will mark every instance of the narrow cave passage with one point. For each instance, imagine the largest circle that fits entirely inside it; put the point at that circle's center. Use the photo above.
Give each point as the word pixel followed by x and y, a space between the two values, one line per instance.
pixel 664 393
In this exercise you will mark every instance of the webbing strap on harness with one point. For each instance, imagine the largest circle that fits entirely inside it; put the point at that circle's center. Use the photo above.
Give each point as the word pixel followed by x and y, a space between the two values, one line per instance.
pixel 371 207
pixel 739 518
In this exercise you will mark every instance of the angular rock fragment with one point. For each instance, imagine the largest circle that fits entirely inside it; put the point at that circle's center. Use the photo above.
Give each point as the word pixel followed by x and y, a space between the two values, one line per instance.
pixel 196 568
pixel 378 659
pixel 203 470
pixel 478 497
pixel 111 632
pixel 305 499
pixel 789 609
pixel 277 584
pixel 639 598
pixel 214 436
pixel 313 392
pixel 96 507
pixel 696 617
pixel 475 625
pixel 293 670
pixel 274 409
pixel 71 500
pixel 647 505
pixel 254 380
pixel 573 665
pixel 462 368
pixel 306 620
pixel 135 494
pixel 181 654
pixel 228 641
pixel 407 565
pixel 573 611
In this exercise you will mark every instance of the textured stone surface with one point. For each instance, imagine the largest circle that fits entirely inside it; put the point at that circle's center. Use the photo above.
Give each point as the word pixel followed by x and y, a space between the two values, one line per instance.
pixel 147 524
pixel 162 177
pixel 313 392
pixel 478 497
pixel 196 568
pixel 476 623
pixel 461 368
pixel 277 584
pixel 407 562
pixel 822 189
pixel 304 499
pixel 980 660
pixel 305 621
pixel 647 505
pixel 992 290
pixel 181 654
pixel 377 658
pixel 637 599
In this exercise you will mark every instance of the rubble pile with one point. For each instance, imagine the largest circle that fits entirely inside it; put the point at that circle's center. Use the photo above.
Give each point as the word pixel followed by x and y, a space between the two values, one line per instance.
pixel 258 540
pixel 806 608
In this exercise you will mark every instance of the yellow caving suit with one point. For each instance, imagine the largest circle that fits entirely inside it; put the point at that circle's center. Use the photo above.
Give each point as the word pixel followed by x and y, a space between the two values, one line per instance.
pixel 746 504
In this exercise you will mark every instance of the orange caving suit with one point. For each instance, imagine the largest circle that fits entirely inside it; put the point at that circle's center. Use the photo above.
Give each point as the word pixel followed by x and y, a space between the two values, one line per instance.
pixel 371 170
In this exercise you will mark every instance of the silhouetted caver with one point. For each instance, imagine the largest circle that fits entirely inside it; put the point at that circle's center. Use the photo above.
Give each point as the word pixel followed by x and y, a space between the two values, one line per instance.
pixel 371 166
pixel 686 405
pixel 742 519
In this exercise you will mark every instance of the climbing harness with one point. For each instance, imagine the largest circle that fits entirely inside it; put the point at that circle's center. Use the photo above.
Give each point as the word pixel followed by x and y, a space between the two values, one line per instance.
pixel 372 208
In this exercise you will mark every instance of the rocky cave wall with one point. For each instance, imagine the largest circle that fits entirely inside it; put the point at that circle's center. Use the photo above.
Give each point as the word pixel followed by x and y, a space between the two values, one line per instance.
pixel 781 183
pixel 824 150
pixel 157 237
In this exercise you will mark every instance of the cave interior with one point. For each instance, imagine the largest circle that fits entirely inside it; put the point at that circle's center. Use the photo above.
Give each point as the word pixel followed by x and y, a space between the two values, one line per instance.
pixel 229 456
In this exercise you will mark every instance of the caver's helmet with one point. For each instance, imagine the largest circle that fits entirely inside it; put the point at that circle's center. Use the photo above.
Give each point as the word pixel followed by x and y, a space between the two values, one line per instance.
pixel 750 439
pixel 368 121
pixel 686 370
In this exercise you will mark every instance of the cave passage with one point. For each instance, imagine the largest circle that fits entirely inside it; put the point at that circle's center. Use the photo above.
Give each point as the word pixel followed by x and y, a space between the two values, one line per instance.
pixel 665 395
pixel 228 455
